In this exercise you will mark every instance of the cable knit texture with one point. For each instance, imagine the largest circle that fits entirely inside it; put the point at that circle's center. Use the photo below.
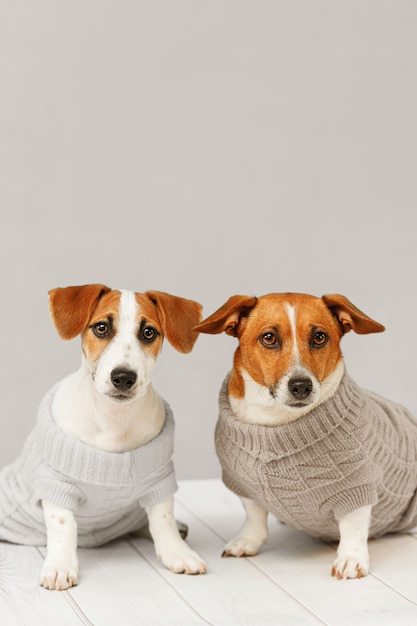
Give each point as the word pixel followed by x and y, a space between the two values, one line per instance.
pixel 107 491
pixel 353 450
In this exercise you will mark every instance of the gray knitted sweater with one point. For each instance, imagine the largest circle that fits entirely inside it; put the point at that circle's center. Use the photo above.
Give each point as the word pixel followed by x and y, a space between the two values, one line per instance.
pixel 107 491
pixel 353 450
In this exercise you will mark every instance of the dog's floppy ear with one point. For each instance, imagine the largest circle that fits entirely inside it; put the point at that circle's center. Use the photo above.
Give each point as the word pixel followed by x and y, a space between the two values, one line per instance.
pixel 71 307
pixel 178 316
pixel 350 317
pixel 227 318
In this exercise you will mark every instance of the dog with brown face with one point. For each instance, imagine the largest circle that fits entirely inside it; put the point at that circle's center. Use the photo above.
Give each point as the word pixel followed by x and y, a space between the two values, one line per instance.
pixel 298 438
pixel 98 464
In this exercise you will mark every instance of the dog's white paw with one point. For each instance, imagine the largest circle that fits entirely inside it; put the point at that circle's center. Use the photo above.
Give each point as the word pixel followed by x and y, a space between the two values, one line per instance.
pixel 180 559
pixel 350 566
pixel 59 575
pixel 242 546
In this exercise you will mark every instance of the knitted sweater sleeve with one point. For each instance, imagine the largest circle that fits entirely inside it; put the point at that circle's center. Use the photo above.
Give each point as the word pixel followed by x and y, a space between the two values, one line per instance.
pixel 347 499
pixel 48 487
pixel 159 487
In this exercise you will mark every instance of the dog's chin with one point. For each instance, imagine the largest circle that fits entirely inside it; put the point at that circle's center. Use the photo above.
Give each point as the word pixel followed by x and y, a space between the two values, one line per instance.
pixel 124 398
pixel 271 412
pixel 300 405
pixel 128 397
pixel 295 410
pixel 121 398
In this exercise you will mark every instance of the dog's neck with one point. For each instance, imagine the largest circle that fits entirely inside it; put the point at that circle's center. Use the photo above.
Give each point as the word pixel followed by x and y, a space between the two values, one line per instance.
pixel 257 406
pixel 98 421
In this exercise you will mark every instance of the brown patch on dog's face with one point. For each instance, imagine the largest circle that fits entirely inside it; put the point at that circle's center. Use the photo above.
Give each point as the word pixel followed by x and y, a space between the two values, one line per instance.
pixel 101 327
pixel 288 359
pixel 151 333
pixel 106 322
pixel 122 332
pixel 285 331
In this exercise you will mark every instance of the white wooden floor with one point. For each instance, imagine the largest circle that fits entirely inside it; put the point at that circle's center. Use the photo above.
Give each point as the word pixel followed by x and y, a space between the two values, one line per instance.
pixel 287 584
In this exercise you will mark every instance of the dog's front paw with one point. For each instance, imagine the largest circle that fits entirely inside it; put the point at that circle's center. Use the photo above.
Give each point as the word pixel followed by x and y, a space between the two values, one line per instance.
pixel 242 546
pixel 350 566
pixel 180 559
pixel 58 574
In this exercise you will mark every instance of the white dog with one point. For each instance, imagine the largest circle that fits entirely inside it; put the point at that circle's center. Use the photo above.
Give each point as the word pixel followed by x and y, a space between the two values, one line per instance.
pixel 98 462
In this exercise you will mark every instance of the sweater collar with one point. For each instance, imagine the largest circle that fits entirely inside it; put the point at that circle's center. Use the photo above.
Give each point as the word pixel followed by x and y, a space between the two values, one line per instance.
pixel 343 409
pixel 80 461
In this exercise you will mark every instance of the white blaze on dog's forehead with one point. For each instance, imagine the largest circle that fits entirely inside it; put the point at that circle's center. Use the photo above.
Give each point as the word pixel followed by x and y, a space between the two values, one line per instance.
pixel 292 319
pixel 126 328
pixel 128 313
pixel 123 350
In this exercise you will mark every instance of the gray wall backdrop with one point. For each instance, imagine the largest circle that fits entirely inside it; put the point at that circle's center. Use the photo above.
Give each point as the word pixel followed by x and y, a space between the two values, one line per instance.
pixel 205 149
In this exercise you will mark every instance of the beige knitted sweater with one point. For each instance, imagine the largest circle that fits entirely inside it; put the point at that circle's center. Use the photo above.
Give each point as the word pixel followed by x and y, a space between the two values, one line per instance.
pixel 353 450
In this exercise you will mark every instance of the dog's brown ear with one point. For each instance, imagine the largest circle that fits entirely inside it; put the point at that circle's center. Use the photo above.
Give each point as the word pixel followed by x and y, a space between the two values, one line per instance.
pixel 71 307
pixel 350 317
pixel 178 316
pixel 226 319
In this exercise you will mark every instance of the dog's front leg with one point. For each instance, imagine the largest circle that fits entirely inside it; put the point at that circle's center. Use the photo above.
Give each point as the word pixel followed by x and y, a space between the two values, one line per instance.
pixel 253 533
pixel 60 569
pixel 170 548
pixel 352 553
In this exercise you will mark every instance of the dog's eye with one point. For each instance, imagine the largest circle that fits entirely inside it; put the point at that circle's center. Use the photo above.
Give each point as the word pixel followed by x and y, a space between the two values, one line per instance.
pixel 101 329
pixel 149 334
pixel 320 339
pixel 269 340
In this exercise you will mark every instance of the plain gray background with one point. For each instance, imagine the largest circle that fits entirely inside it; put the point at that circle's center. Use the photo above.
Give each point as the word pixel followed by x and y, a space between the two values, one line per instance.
pixel 205 148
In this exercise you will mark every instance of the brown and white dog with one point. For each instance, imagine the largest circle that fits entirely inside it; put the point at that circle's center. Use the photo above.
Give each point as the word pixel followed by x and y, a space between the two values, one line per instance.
pixel 287 363
pixel 110 403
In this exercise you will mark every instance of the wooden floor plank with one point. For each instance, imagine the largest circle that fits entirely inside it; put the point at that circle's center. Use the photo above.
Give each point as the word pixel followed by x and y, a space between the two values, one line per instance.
pixel 288 583
pixel 233 591
pixel 119 586
pixel 394 562
pixel 301 565
pixel 22 601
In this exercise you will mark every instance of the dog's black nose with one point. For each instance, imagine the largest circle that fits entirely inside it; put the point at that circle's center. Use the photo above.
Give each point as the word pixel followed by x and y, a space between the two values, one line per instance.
pixel 300 388
pixel 123 379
